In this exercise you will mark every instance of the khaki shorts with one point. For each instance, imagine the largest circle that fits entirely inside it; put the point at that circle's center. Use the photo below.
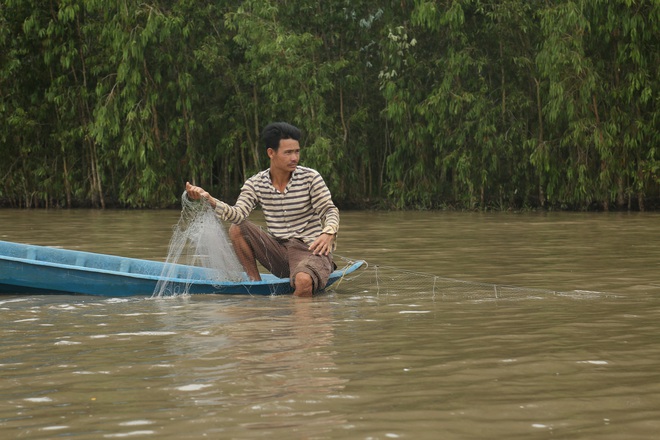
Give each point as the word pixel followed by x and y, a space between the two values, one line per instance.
pixel 287 257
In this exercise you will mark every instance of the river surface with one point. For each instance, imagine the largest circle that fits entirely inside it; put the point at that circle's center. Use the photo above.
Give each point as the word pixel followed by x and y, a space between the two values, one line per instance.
pixel 464 326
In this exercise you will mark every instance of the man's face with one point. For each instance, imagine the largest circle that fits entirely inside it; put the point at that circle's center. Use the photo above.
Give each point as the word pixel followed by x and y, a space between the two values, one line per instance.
pixel 286 157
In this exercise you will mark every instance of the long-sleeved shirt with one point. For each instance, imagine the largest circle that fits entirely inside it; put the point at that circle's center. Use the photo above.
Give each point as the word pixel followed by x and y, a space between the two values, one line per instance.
pixel 304 210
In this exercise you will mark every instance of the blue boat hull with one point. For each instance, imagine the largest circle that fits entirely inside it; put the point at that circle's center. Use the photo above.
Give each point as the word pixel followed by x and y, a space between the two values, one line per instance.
pixel 36 270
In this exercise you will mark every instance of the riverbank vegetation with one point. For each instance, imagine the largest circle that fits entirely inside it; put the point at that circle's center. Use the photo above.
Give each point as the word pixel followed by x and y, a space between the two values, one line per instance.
pixel 467 104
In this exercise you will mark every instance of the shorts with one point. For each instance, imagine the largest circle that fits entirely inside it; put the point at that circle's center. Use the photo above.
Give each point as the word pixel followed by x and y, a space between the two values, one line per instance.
pixel 287 257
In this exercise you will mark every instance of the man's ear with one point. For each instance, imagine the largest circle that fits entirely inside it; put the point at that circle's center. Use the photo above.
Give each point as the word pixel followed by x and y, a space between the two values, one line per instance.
pixel 270 152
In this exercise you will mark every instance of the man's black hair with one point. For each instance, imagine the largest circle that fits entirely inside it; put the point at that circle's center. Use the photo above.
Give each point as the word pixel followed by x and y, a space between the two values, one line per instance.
pixel 273 133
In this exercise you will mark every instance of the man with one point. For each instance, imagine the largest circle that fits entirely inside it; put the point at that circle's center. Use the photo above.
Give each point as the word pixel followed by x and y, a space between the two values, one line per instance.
pixel 302 220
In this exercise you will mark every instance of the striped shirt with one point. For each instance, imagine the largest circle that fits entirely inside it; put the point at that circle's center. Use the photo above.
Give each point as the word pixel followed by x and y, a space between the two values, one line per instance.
pixel 304 210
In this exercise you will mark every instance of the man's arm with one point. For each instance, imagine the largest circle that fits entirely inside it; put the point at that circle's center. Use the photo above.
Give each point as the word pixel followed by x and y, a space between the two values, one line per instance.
pixel 329 214
pixel 196 193
pixel 323 245
pixel 246 202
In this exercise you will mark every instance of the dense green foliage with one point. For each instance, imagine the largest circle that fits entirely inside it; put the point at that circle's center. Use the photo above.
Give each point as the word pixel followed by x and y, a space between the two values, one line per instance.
pixel 404 104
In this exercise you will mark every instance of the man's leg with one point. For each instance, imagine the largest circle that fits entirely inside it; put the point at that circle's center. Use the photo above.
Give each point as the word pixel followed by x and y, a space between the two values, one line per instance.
pixel 303 285
pixel 252 244
pixel 244 252
pixel 309 272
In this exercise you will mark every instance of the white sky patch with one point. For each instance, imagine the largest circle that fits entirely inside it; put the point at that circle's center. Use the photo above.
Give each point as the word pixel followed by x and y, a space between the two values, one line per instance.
pixel 54 428
pixel 136 423
pixel 193 387
pixel 129 434
pixel 146 334
pixel 39 399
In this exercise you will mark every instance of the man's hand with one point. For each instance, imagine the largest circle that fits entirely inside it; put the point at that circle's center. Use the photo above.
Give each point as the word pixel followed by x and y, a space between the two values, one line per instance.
pixel 196 193
pixel 323 244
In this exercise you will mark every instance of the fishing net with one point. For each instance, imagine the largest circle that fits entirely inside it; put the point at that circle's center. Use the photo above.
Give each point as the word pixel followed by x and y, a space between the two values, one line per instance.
pixel 199 239
pixel 379 280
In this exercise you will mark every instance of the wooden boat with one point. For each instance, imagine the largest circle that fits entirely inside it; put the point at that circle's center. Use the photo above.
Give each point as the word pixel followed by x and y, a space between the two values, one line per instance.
pixel 31 269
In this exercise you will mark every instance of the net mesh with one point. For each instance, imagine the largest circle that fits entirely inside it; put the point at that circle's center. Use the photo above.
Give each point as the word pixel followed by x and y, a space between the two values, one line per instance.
pixel 198 239
pixel 379 280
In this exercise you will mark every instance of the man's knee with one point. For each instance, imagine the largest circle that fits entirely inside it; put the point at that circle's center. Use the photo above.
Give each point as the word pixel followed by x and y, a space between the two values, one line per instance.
pixel 304 285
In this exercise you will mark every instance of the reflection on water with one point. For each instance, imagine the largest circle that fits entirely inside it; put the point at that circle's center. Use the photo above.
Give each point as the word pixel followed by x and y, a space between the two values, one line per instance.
pixel 454 361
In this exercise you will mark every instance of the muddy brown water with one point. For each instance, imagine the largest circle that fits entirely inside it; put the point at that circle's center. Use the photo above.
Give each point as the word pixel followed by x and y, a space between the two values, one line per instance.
pixel 573 353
